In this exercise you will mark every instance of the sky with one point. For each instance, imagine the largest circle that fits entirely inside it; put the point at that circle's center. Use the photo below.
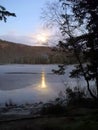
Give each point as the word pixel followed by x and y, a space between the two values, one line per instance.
pixel 27 26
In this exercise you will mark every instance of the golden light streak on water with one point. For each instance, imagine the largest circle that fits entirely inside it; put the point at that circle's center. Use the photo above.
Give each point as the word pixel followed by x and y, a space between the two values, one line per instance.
pixel 43 80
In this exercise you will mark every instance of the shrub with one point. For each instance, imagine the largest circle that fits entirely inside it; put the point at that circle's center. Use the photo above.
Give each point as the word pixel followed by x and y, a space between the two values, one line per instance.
pixel 53 108
pixel 75 96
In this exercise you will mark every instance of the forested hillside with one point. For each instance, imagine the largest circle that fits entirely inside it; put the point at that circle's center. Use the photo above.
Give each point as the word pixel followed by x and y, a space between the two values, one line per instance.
pixel 23 54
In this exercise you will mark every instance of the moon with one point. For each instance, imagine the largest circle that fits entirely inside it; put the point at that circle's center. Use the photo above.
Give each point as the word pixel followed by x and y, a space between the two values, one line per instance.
pixel 41 37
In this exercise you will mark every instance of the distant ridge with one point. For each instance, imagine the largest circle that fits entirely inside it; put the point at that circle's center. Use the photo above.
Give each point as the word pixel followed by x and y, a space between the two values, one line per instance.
pixel 24 54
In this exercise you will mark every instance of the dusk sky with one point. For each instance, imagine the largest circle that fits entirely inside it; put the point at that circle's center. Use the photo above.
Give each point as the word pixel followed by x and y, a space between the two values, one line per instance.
pixel 27 26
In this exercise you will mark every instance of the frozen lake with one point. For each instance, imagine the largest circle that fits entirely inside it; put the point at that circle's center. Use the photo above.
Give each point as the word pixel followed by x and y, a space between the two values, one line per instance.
pixel 31 83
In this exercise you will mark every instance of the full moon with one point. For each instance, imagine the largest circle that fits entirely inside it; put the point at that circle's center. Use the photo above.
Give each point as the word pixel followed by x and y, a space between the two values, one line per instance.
pixel 41 37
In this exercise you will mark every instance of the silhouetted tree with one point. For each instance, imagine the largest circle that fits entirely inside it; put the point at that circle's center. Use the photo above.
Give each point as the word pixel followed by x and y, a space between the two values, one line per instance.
pixel 78 22
pixel 4 14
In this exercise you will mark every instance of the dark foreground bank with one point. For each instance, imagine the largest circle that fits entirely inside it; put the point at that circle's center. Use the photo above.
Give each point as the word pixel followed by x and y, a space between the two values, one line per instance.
pixel 75 119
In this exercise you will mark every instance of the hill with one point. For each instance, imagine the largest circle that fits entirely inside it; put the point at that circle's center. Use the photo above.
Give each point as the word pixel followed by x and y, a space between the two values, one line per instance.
pixel 24 54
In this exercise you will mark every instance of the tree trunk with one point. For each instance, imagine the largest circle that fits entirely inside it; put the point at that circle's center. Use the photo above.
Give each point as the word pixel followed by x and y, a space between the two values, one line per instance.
pixel 88 87
pixel 84 74
pixel 97 85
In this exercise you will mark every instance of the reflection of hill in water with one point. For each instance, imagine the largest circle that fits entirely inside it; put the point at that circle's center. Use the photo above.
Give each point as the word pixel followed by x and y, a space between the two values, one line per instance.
pixel 26 73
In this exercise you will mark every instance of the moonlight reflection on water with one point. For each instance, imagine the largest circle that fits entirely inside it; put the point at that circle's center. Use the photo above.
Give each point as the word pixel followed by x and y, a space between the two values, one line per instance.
pixel 43 80
pixel 43 86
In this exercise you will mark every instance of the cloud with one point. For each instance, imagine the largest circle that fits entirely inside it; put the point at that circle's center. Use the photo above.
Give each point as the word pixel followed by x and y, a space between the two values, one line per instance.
pixel 41 37
pixel 13 37
pixel 38 38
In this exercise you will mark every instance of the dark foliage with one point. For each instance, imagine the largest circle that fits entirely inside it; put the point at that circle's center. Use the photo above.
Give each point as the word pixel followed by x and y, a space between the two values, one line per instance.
pixel 4 14
pixel 83 14
pixel 59 71
pixel 75 96
pixel 54 108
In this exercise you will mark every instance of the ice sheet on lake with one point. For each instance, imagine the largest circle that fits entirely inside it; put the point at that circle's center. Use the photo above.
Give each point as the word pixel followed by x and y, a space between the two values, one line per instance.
pixel 23 83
